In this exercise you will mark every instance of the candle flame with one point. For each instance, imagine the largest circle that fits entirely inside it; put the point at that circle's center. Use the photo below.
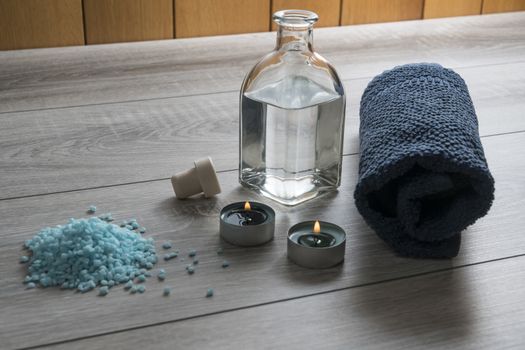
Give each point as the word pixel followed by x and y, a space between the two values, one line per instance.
pixel 247 206
pixel 317 227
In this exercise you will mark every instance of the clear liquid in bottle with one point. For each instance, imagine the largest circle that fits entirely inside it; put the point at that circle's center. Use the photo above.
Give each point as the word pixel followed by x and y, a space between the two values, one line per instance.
pixel 291 140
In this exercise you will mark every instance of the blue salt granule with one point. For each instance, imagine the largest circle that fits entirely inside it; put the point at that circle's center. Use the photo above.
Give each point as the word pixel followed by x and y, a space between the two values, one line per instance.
pixel 166 291
pixel 225 263
pixel 24 259
pixel 103 291
pixel 128 285
pixel 190 269
pixel 209 293
pixel 142 230
pixel 106 217
pixel 30 285
pixel 170 256
pixel 141 278
pixel 133 289
pixel 92 209
pixel 161 275
pixel 135 225
pixel 220 251
pixel 195 261
pixel 141 289
pixel 85 253
pixel 166 245
pixel 123 223
pixel 192 253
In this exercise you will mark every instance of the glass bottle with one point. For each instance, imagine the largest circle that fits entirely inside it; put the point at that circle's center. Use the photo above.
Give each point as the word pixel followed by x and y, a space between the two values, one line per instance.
pixel 292 113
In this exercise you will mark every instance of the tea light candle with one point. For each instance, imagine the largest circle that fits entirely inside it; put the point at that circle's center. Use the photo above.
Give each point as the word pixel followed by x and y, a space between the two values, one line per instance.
pixel 247 223
pixel 316 244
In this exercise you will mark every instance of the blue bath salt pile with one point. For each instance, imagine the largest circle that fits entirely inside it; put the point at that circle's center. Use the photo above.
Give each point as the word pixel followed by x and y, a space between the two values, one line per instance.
pixel 86 253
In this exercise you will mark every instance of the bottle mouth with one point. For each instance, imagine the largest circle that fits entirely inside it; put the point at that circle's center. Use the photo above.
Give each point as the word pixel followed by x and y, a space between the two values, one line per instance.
pixel 295 18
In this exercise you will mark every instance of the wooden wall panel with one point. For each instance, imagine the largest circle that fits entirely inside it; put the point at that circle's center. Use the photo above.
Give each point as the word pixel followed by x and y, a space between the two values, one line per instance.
pixel 328 10
pixel 450 8
pixel 215 17
pixel 372 11
pixel 40 23
pixel 495 6
pixel 109 21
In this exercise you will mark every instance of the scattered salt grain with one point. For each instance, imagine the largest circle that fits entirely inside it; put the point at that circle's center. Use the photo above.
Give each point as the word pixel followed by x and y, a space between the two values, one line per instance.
pixel 161 275
pixel 92 209
pixel 128 285
pixel 24 259
pixel 166 291
pixel 141 278
pixel 133 290
pixel 195 261
pixel 103 291
pixel 166 245
pixel 190 269
pixel 141 289
pixel 30 285
pixel 220 251
pixel 209 293
pixel 142 230
pixel 192 253
pixel 225 263
pixel 170 256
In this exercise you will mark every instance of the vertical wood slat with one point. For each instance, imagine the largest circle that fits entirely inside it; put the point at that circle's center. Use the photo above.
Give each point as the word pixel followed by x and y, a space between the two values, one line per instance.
pixel 373 11
pixel 495 6
pixel 109 21
pixel 450 8
pixel 328 10
pixel 40 23
pixel 216 17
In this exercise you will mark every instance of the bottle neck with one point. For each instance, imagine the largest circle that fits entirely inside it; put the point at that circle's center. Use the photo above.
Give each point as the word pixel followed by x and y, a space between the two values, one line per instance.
pixel 294 39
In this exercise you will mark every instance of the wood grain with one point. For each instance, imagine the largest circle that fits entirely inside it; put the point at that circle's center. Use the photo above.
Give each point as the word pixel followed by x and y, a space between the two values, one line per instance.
pixel 126 142
pixel 152 70
pixel 216 17
pixel 450 8
pixel 256 275
pixel 372 11
pixel 40 23
pixel 328 10
pixel 110 21
pixel 476 307
pixel 496 6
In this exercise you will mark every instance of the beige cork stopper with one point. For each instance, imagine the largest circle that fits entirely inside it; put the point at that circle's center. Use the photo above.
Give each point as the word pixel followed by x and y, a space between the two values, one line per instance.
pixel 201 178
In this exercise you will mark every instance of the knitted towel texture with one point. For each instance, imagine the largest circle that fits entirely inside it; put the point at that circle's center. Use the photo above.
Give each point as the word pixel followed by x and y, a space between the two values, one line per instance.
pixel 423 177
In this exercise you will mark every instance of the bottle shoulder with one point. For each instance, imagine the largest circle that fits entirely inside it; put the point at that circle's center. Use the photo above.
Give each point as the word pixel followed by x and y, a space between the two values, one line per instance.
pixel 289 71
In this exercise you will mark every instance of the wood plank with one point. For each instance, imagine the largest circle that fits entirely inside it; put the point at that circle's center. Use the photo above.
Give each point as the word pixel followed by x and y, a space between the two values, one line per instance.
pixel 147 70
pixel 110 21
pixel 450 8
pixel 476 307
pixel 215 17
pixel 496 6
pixel 328 10
pixel 90 146
pixel 373 11
pixel 256 275
pixel 40 23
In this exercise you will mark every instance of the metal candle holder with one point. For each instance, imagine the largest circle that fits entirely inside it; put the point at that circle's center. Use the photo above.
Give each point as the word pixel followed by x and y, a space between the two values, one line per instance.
pixel 316 257
pixel 247 234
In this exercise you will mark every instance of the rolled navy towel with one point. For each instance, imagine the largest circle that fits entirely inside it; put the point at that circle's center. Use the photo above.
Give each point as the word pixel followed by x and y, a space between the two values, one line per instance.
pixel 423 177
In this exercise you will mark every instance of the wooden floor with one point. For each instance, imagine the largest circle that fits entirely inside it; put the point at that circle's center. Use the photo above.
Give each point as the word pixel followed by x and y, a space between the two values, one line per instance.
pixel 107 125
